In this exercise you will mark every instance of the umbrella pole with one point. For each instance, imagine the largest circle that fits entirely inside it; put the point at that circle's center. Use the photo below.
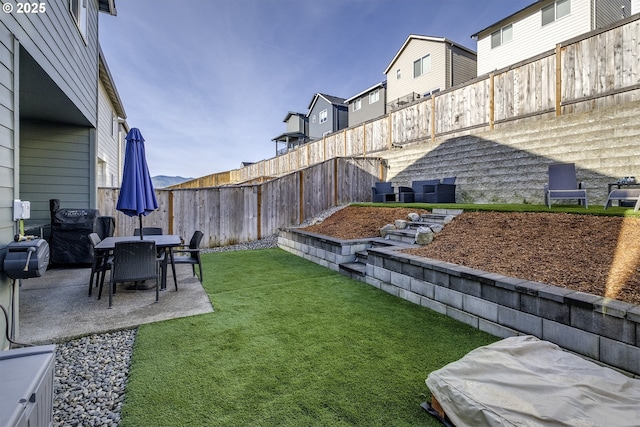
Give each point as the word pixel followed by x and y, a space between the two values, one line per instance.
pixel 141 237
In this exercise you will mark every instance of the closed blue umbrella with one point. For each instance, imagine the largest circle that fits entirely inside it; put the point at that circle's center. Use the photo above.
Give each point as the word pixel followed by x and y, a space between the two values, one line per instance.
pixel 136 189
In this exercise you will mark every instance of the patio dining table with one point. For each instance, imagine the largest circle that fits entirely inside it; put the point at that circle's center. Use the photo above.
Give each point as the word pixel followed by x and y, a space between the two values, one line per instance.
pixel 165 242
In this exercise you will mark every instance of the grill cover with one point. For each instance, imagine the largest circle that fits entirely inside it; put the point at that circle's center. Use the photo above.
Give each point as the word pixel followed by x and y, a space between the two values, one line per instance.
pixel 70 229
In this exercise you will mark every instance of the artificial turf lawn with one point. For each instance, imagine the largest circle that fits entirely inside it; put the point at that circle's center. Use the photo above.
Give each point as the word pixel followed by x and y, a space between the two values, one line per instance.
pixel 291 344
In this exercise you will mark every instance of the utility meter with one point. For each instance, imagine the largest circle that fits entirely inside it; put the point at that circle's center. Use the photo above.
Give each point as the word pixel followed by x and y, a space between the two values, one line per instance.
pixel 21 210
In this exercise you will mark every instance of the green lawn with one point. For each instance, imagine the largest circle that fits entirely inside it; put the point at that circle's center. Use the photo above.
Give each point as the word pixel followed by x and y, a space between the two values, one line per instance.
pixel 291 344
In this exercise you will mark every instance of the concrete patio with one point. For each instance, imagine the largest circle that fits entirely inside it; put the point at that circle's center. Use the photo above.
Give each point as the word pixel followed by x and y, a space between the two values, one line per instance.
pixel 56 307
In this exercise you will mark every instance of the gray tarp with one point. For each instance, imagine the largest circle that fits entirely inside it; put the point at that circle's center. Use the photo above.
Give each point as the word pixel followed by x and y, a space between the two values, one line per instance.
pixel 523 381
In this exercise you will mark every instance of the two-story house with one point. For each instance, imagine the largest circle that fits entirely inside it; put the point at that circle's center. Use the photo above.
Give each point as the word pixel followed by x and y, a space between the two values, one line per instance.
pixel 49 68
pixel 326 114
pixel 368 104
pixel 538 27
pixel 426 65
pixel 297 132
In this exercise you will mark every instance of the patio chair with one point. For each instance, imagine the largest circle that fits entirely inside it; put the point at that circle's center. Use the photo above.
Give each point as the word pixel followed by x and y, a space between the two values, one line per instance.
pixel 563 184
pixel 422 187
pixel 133 261
pixel 383 192
pixel 101 262
pixel 190 254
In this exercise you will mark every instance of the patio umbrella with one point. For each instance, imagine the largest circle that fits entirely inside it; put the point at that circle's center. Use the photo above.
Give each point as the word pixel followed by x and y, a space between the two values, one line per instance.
pixel 136 190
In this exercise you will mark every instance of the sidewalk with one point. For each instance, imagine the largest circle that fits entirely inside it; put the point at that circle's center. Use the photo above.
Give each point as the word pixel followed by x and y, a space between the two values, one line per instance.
pixel 56 307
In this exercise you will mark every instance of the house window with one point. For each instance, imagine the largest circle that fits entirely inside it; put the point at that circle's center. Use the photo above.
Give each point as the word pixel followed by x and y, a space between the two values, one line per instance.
pixel 422 66
pixel 323 116
pixel 502 36
pixel 357 104
pixel 555 11
pixel 398 74
pixel 374 96
pixel 78 9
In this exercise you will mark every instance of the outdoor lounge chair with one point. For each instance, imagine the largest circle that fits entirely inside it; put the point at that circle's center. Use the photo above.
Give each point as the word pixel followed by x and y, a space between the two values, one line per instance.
pixel 133 261
pixel 383 192
pixel 190 254
pixel 563 184
pixel 434 191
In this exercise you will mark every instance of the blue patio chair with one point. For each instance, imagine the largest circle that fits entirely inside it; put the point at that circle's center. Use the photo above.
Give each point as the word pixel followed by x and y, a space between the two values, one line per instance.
pixel 563 184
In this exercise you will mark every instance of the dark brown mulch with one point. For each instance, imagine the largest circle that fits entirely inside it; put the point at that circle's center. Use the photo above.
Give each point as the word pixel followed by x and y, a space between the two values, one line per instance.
pixel 593 254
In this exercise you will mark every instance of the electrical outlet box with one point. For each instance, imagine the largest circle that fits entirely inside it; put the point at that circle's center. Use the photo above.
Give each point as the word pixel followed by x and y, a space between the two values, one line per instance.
pixel 21 210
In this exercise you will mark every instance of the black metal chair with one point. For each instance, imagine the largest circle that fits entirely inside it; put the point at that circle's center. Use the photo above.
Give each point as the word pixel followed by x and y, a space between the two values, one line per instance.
pixel 133 261
pixel 190 254
pixel 101 262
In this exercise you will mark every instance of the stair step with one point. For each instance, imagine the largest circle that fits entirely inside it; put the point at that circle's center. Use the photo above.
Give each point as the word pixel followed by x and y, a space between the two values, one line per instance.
pixel 357 268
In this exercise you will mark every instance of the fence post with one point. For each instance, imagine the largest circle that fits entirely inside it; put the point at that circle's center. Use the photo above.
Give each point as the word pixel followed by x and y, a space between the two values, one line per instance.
pixel 492 97
pixel 171 214
pixel 364 140
pixel 558 81
pixel 301 194
pixel 433 118
pixel 335 181
pixel 259 213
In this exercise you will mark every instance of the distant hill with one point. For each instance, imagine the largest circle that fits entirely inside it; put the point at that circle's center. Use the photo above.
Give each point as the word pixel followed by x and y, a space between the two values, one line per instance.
pixel 162 181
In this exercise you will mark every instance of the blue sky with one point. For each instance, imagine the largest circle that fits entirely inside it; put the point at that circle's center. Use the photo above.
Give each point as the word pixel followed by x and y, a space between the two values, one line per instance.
pixel 209 83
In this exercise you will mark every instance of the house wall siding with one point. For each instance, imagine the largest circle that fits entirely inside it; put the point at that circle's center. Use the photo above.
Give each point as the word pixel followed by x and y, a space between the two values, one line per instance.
pixel 316 129
pixel 530 38
pixel 368 111
pixel 55 43
pixel 8 135
pixel 108 151
pixel 55 163
pixel 436 78
pixel 635 6
pixel 463 65
pixel 608 11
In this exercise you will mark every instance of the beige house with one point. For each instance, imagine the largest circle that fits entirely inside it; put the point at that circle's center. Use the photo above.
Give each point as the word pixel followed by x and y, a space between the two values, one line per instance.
pixel 426 65
pixel 111 129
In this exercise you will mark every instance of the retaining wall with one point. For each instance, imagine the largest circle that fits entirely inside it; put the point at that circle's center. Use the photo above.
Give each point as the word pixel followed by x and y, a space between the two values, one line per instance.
pixel 602 329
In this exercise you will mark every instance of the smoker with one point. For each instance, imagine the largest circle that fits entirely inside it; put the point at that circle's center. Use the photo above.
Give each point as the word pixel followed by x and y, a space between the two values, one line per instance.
pixel 26 259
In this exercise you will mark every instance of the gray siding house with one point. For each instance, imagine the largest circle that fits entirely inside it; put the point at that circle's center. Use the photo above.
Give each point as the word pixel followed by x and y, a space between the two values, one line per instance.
pixel 48 115
pixel 297 132
pixel 369 104
pixel 426 65
pixel 326 114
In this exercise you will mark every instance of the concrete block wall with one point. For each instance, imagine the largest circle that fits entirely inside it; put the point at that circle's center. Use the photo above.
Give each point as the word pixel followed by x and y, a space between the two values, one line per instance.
pixel 601 329
pixel 509 164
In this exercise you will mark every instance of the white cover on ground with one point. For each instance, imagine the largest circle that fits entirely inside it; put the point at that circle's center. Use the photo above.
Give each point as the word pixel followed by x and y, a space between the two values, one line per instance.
pixel 523 381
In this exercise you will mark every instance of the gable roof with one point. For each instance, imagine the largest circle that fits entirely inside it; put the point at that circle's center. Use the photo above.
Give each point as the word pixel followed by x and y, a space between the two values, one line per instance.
pixel 107 80
pixel 426 38
pixel 382 84
pixel 333 100
pixel 292 113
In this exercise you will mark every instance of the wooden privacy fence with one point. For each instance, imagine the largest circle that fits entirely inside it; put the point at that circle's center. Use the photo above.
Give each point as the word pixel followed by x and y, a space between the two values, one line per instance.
pixel 242 213
pixel 597 69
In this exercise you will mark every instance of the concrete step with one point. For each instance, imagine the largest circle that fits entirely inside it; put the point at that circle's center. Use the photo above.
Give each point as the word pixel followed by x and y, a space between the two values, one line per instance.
pixel 353 268
pixel 404 236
